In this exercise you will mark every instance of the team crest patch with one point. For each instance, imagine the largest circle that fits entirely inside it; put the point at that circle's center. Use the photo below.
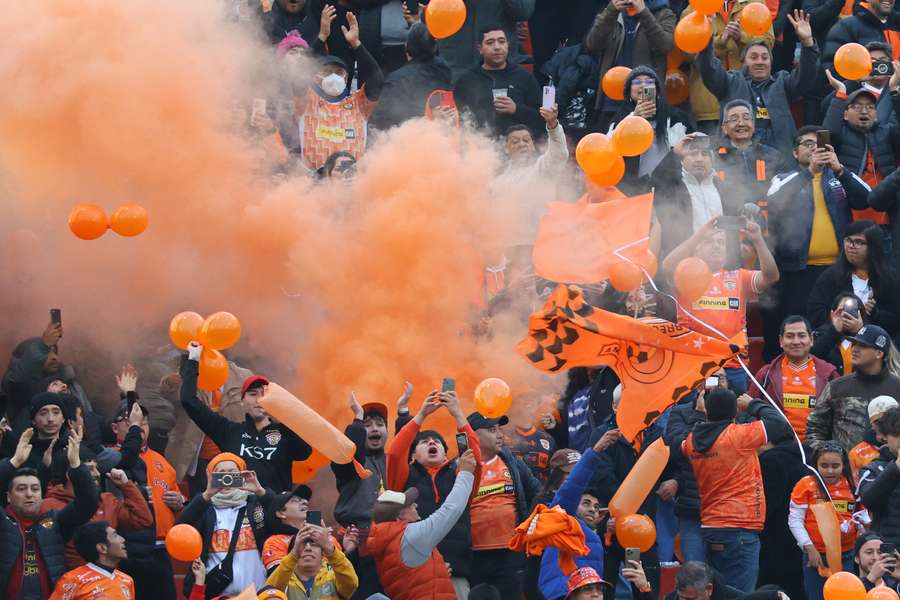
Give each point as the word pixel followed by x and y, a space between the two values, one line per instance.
pixel 545 444
pixel 47 523
pixel 259 514
pixel 273 437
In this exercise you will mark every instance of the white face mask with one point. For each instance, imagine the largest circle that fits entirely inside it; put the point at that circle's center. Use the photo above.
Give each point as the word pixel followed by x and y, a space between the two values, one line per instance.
pixel 333 84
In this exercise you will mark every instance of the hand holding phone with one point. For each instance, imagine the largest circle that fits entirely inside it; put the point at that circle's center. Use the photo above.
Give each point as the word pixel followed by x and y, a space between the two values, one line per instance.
pixel 314 517
pixel 462 443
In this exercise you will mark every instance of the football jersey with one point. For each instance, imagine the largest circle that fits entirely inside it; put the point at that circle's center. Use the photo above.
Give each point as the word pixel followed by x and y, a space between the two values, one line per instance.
pixel 327 127
pixel 90 582
pixel 534 447
pixel 807 491
pixel 798 393
pixel 493 509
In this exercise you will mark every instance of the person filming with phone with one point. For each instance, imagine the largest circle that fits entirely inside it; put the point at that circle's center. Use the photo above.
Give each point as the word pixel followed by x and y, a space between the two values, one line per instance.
pixel 877 561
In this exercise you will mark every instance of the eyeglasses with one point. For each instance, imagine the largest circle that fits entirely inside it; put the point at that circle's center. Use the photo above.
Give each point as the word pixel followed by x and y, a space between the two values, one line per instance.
pixel 855 242
pixel 809 144
pixel 740 119
pixel 863 108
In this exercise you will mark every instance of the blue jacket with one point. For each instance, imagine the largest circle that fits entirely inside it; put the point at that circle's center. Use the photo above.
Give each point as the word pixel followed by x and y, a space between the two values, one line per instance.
pixel 552 580
pixel 791 208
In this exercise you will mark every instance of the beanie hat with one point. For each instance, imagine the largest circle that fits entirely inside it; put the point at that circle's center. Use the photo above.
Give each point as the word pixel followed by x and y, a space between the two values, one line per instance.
pixel 225 456
pixel 290 41
pixel 641 70
pixel 49 399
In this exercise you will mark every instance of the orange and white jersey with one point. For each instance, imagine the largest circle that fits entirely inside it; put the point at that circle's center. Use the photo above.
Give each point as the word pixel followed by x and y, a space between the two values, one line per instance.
pixel 328 127
pixel 90 582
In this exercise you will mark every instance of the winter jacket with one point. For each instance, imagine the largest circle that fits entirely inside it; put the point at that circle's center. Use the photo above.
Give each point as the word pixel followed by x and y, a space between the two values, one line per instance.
pixel 749 173
pixel 852 145
pixel 883 197
pixel 269 451
pixel 336 580
pixel 830 284
pixel 356 497
pixel 576 74
pixel 406 91
pixel 826 346
pixel 841 412
pixel 681 422
pixel 460 50
pixel 525 484
pixel 704 104
pixel 53 529
pixel 653 39
pixel 429 581
pixel 863 27
pixel 600 405
pixel 131 512
pixel 884 107
pixel 777 94
pixel 770 377
pixel 792 206
pixel 552 580
pixel 277 23
pixel 879 490
pixel 475 97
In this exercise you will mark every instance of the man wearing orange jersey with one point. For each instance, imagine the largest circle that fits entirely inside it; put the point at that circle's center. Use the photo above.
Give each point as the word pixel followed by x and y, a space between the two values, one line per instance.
pixel 722 308
pixel 796 378
pixel 501 502
pixel 102 549
pixel 732 502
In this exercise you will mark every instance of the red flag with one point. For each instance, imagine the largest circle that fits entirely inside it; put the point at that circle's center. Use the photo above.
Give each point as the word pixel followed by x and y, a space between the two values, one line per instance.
pixel 575 242
pixel 657 361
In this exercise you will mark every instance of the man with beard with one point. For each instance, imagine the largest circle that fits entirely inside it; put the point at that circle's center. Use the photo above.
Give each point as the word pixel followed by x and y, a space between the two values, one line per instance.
pixel 48 419
pixel 102 548
pixel 269 448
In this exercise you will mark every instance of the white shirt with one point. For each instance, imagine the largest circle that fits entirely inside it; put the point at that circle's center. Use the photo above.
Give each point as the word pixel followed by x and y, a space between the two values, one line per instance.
pixel 861 288
pixel 705 201
pixel 248 567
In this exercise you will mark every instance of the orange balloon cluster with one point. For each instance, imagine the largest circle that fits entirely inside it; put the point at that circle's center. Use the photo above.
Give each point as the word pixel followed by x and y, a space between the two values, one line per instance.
pixel 613 82
pixel 595 153
pixel 219 331
pixel 844 586
pixel 692 278
pixel 493 398
pixel 183 543
pixel 636 531
pixel 632 136
pixel 756 18
pixel 693 32
pixel 611 176
pixel 89 222
pixel 707 7
pixel 445 17
pixel 852 61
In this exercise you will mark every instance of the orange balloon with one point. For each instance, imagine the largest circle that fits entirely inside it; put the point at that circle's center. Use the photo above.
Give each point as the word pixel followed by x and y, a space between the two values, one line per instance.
pixel 844 586
pixel 692 278
pixel 220 330
pixel 640 480
pixel 852 61
pixel 185 328
pixel 632 136
pixel 882 593
pixel 304 470
pixel 611 176
pixel 594 153
pixel 445 17
pixel 88 221
pixel 692 33
pixel 646 259
pixel 636 531
pixel 674 59
pixel 756 19
pixel 493 398
pixel 213 370
pixel 613 83
pixel 677 90
pixel 129 220
pixel 625 276
pixel 183 543
pixel 707 7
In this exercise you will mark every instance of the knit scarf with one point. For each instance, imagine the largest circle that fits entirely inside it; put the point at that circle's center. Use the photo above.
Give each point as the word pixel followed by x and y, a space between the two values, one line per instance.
pixel 230 498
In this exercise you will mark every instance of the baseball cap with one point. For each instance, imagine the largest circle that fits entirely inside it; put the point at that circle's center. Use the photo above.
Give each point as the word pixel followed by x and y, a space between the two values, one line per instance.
pixel 583 577
pixel 565 459
pixel 270 593
pixel 880 405
pixel 872 336
pixel 333 60
pixel 856 94
pixel 252 380
pixel 375 407
pixel 390 503
pixel 479 421
pixel 301 491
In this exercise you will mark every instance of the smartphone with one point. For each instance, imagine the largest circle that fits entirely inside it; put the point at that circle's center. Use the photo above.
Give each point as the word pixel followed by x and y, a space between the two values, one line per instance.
pixel 56 316
pixel 314 517
pixel 633 554
pixel 228 480
pixel 712 383
pixel 823 138
pixel 448 384
pixel 648 92
pixel 851 307
pixel 731 223
pixel 549 98
pixel 462 442
pixel 887 548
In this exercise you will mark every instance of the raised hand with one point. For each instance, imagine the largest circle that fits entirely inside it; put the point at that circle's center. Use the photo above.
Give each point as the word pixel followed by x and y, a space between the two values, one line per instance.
pixel 356 407
pixel 51 335
pixel 118 477
pixel 835 83
pixel 127 380
pixel 23 448
pixel 74 457
pixel 328 15
pixel 251 483
pixel 403 400
pixel 800 22
pixel 351 34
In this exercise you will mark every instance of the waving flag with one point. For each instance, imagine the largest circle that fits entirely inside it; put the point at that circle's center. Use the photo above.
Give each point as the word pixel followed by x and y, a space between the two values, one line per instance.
pixel 657 361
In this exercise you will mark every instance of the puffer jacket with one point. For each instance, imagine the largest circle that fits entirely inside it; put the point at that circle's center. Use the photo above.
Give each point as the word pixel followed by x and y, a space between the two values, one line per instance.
pixel 429 581
pixel 863 27
pixel 576 74
pixel 852 145
pixel 879 490
pixel 681 422
pixel 704 104
pixel 841 412
pixel 653 40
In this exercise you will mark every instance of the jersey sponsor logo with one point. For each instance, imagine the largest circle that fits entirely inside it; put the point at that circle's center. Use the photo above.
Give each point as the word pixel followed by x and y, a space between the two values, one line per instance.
pixel 495 488
pixel 844 506
pixel 717 303
pixel 332 134
pixel 799 401
pixel 259 453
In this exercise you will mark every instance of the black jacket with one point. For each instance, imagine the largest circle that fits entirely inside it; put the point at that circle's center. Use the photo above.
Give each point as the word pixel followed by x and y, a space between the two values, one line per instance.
pixel 748 173
pixel 879 490
pixel 823 14
pixel 825 345
pixel 525 484
pixel 406 91
pixel 681 422
pixel 884 198
pixel 852 145
pixel 863 27
pixel 830 284
pixel 53 529
pixel 475 96
pixel 356 497
pixel 270 451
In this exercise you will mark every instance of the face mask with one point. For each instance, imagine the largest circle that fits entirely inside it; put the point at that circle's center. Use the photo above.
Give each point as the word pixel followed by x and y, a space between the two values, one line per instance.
pixel 333 84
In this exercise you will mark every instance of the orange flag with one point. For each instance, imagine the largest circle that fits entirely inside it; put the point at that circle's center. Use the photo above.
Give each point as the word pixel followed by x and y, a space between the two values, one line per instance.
pixel 657 361
pixel 575 242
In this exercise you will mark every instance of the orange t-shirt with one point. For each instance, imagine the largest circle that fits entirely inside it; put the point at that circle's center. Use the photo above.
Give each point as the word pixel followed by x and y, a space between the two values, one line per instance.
pixel 327 127
pixel 798 393
pixel 275 548
pixel 161 478
pixel 493 509
pixel 730 479
pixel 723 305
pixel 807 492
pixel 89 583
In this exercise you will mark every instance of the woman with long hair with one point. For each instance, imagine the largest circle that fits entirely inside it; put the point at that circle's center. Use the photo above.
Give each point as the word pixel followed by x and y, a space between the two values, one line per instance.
pixel 863 270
